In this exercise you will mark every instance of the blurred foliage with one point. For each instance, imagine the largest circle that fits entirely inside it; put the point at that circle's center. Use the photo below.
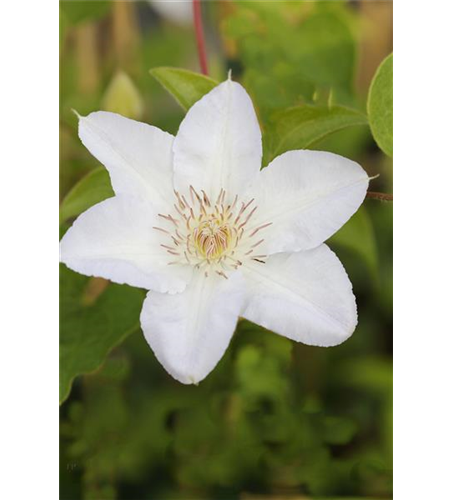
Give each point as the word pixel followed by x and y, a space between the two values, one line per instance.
pixel 379 106
pixel 294 52
pixel 358 235
pixel 275 419
pixel 95 316
pixel 77 12
pixel 122 97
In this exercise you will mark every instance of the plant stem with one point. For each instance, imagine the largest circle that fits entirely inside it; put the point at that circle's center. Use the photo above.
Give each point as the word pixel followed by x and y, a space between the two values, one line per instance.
pixel 197 18
pixel 408 197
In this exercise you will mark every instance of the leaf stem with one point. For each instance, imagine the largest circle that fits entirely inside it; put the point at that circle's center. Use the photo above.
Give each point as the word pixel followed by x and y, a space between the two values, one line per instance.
pixel 197 19
pixel 408 197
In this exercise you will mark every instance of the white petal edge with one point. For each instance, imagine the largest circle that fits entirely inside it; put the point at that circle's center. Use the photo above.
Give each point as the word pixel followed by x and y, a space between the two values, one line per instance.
pixel 305 296
pixel 219 143
pixel 115 240
pixel 307 196
pixel 137 156
pixel 189 332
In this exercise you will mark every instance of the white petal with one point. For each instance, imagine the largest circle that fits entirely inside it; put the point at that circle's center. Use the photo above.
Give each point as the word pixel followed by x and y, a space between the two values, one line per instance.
pixel 116 240
pixel 189 332
pixel 137 156
pixel 219 142
pixel 305 296
pixel 307 196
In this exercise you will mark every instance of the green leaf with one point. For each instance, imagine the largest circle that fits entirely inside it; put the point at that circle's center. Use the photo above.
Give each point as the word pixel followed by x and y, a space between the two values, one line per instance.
pixel 302 126
pixel 93 188
pixel 78 11
pixel 95 316
pixel 358 235
pixel 185 86
pixel 337 430
pixel 379 106
pixel 327 50
pixel 123 97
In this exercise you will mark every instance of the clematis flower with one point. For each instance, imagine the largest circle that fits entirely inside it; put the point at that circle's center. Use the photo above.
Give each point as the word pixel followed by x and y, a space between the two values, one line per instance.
pixel 212 236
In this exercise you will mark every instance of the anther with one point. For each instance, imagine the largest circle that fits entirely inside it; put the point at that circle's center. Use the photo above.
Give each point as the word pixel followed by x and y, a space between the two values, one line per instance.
pixel 162 230
pixel 257 244
pixel 248 218
pixel 260 227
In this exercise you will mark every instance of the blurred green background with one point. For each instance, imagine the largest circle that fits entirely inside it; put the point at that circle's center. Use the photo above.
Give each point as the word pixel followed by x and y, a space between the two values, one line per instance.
pixel 275 419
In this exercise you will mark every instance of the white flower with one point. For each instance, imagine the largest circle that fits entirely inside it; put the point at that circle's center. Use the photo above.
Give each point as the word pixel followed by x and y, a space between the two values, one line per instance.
pixel 212 236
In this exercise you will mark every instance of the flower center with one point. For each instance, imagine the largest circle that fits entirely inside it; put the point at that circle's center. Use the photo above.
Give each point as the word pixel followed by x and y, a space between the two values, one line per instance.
pixel 214 236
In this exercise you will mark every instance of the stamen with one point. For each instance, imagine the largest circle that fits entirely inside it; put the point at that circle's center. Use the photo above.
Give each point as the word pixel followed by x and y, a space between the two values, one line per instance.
pixel 248 204
pixel 248 218
pixel 181 203
pixel 257 244
pixel 206 198
pixel 185 201
pixel 259 228
pixel 178 211
pixel 219 197
pixel 212 236
pixel 162 230
pixel 169 218
pixel 193 191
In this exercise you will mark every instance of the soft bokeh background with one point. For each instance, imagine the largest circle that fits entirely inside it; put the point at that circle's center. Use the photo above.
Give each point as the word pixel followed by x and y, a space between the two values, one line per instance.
pixel 275 419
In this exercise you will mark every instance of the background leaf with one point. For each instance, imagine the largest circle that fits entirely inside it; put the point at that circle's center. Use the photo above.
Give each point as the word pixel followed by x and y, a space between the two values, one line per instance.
pixel 379 106
pixel 327 50
pixel 302 126
pixel 91 189
pixel 123 97
pixel 358 235
pixel 95 316
pixel 185 86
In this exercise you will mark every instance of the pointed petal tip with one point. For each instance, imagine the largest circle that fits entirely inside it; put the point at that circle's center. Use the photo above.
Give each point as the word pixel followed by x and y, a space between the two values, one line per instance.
pixel 182 376
pixel 191 380
pixel 77 114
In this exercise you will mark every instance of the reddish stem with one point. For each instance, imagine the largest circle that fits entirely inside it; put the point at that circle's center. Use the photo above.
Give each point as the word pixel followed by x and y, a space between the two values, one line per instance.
pixel 197 18
pixel 408 197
